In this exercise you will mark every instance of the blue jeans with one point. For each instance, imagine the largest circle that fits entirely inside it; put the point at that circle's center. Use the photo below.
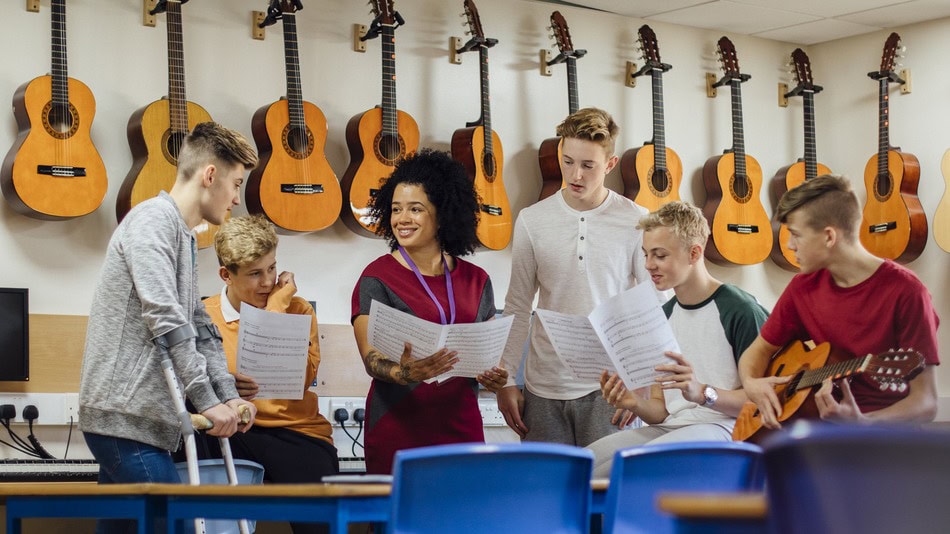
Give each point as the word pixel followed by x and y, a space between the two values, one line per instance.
pixel 125 461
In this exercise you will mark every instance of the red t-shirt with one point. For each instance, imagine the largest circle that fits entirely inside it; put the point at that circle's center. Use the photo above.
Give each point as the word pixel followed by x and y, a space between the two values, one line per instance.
pixel 890 310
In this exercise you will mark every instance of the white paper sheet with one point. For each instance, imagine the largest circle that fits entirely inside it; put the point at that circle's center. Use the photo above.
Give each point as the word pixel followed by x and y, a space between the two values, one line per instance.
pixel 479 345
pixel 272 349
pixel 628 334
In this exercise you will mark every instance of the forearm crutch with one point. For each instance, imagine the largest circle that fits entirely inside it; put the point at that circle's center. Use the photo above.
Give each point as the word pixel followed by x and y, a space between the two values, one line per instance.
pixel 189 422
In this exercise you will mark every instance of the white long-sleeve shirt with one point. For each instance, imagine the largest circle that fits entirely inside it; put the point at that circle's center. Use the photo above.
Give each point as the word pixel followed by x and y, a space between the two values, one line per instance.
pixel 573 260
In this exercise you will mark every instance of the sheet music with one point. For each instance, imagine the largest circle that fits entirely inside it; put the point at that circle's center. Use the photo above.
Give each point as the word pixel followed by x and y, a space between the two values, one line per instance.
pixel 272 349
pixel 576 343
pixel 634 328
pixel 479 345
pixel 628 334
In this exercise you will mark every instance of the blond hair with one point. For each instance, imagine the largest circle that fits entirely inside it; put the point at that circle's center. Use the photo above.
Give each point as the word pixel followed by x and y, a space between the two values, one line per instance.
pixel 244 240
pixel 686 221
pixel 591 124
pixel 826 200
pixel 211 143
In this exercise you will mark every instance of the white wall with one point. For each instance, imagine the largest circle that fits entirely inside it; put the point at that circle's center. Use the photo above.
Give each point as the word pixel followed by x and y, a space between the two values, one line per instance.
pixel 231 75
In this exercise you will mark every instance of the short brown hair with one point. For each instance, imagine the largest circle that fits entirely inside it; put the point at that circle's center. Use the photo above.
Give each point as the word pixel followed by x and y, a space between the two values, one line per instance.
pixel 211 143
pixel 827 200
pixel 244 240
pixel 591 124
pixel 685 220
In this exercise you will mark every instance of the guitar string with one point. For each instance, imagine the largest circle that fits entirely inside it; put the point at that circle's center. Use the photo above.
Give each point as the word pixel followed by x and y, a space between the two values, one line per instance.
pixel 295 105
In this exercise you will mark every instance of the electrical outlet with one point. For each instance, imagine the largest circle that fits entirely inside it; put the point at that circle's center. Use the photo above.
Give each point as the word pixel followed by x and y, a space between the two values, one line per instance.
pixel 350 404
pixel 71 407
pixel 51 407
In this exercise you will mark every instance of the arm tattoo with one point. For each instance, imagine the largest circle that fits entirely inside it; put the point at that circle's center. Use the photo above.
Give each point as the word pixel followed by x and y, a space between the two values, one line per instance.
pixel 381 367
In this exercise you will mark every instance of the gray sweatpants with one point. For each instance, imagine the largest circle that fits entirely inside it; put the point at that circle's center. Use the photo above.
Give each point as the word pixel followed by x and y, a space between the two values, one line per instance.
pixel 605 448
pixel 579 422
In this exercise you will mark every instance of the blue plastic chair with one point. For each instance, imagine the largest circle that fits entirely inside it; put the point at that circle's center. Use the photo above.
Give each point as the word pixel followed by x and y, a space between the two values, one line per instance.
pixel 497 488
pixel 842 479
pixel 639 474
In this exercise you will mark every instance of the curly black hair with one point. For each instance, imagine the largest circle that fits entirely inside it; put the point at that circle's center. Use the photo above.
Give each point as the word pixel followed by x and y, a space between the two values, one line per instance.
pixel 449 189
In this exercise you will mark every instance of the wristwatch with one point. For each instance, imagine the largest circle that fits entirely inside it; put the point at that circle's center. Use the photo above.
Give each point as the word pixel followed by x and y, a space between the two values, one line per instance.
pixel 711 396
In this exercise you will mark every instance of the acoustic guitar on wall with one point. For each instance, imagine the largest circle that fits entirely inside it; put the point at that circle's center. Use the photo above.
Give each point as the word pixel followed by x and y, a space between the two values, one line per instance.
pixel 889 370
pixel 652 174
pixel 942 215
pixel 549 154
pixel 794 175
pixel 741 232
pixel 894 225
pixel 53 171
pixel 379 138
pixel 478 148
pixel 157 131
pixel 294 185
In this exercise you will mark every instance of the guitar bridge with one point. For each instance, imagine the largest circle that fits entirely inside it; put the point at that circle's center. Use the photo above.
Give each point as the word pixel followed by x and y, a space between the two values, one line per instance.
pixel 882 228
pixel 491 210
pixel 61 171
pixel 301 189
pixel 743 228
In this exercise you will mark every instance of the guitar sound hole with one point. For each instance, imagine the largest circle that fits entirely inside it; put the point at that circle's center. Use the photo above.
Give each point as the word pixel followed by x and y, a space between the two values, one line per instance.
pixel 882 186
pixel 171 143
pixel 739 185
pixel 389 148
pixel 660 182
pixel 488 164
pixel 60 120
pixel 298 141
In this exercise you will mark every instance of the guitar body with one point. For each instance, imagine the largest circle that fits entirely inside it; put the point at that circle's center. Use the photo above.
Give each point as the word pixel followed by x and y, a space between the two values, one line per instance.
pixel 291 159
pixel 794 359
pixel 468 147
pixel 906 241
pixel 639 183
pixel 549 158
pixel 155 158
pixel 727 247
pixel 44 139
pixel 942 216
pixel 372 159
pixel 786 179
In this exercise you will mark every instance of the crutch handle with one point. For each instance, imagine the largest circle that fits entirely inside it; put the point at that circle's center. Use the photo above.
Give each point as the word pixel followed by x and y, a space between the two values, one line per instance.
pixel 201 422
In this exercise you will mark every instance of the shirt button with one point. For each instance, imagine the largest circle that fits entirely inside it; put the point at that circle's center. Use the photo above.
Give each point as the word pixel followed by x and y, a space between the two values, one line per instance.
pixel 580 257
pixel 582 219
pixel 582 238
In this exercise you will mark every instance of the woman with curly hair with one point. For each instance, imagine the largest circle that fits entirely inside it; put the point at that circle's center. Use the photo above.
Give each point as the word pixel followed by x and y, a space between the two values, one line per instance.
pixel 427 211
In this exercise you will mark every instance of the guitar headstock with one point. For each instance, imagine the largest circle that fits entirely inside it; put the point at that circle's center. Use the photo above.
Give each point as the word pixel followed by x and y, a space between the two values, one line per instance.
pixel 474 22
pixel 894 368
pixel 288 7
pixel 649 46
pixel 802 69
pixel 384 11
pixel 890 52
pixel 562 35
pixel 728 58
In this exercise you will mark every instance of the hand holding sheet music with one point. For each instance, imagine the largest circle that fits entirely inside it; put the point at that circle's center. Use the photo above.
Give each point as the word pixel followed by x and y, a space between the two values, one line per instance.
pixel 479 345
pixel 272 349
pixel 627 334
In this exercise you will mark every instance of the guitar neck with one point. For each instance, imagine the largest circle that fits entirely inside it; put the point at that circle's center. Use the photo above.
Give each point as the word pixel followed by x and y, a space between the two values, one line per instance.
pixel 572 100
pixel 659 132
pixel 486 99
pixel 177 101
pixel 292 67
pixel 835 371
pixel 390 126
pixel 738 137
pixel 811 153
pixel 58 71
pixel 883 139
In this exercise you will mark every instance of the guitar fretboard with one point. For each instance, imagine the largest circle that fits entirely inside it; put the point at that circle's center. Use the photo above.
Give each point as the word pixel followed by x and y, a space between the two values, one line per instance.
pixel 58 71
pixel 811 153
pixel 738 135
pixel 292 67
pixel 839 370
pixel 390 124
pixel 659 131
pixel 486 99
pixel 573 103
pixel 883 139
pixel 177 101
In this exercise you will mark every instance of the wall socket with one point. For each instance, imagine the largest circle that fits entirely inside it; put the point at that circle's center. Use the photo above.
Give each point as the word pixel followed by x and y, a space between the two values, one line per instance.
pixel 350 404
pixel 54 408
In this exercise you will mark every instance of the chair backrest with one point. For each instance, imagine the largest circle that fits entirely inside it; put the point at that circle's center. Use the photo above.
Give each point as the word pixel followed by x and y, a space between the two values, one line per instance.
pixel 835 478
pixel 500 487
pixel 639 474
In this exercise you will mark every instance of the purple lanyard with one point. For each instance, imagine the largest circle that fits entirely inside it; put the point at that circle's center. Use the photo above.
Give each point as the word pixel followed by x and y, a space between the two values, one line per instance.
pixel 448 286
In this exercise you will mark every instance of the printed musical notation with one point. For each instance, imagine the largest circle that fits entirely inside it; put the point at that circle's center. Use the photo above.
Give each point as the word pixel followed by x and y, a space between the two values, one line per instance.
pixel 272 349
